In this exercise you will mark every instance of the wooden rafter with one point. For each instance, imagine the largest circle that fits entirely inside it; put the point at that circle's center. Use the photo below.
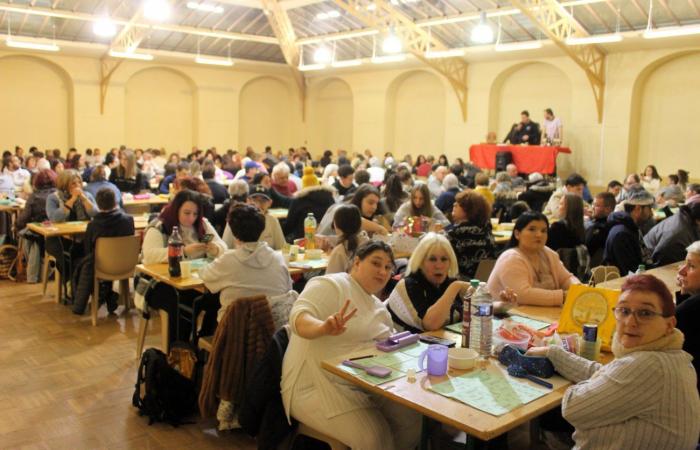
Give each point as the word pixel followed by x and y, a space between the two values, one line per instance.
pixel 416 40
pixel 282 27
pixel 557 24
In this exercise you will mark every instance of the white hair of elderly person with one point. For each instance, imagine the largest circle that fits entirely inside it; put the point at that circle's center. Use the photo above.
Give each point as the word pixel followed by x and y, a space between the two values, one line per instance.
pixel 450 182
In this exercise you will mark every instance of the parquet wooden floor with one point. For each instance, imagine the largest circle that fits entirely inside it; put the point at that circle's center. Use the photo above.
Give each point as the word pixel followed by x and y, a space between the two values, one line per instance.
pixel 65 384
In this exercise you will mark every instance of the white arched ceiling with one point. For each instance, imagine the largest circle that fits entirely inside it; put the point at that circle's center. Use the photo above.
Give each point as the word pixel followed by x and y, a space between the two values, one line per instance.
pixel 532 87
pixel 415 121
pixel 669 104
pixel 161 111
pixel 331 114
pixel 265 115
pixel 36 98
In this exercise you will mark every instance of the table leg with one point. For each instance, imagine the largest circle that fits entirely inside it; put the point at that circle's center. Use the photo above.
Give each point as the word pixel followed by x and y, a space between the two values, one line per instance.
pixel 425 433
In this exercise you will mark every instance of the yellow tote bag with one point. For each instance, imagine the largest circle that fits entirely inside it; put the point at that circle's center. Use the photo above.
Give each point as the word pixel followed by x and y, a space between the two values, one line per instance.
pixel 586 304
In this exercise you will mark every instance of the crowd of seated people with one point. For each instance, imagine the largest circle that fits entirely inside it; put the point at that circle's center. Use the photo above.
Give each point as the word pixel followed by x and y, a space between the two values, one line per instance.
pixel 221 207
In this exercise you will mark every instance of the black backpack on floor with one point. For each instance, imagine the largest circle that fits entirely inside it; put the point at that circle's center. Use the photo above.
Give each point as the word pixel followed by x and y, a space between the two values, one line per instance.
pixel 161 393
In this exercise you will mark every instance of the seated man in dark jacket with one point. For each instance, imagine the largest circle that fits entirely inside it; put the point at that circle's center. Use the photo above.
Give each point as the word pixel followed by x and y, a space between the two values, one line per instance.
pixel 109 222
pixel 624 247
pixel 597 227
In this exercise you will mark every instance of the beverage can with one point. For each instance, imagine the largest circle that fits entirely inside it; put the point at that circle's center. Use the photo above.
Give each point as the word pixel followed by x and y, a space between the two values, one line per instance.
pixel 590 332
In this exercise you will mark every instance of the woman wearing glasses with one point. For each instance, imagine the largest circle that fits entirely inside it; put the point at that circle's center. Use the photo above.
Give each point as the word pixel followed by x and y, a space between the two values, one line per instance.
pixel 646 397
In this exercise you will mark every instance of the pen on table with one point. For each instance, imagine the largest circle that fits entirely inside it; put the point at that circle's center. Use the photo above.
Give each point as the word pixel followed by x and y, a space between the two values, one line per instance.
pixel 361 357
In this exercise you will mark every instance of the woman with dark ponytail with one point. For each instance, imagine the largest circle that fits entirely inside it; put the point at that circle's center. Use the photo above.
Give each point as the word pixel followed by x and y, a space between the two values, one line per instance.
pixel 347 222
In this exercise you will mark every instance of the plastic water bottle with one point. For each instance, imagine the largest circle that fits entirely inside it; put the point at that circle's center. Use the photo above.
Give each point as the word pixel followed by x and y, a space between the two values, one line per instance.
pixel 641 269
pixel 482 321
pixel 11 193
pixel 310 231
pixel 467 313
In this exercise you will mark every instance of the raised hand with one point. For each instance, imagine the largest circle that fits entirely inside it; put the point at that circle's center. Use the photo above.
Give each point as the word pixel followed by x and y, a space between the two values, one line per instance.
pixel 335 324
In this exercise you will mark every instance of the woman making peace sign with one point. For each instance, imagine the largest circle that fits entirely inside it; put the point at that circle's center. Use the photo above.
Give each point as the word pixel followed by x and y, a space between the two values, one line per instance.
pixel 335 315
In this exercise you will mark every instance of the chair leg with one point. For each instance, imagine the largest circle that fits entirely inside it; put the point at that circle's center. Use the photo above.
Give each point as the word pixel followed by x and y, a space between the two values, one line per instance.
pixel 95 301
pixel 164 331
pixel 59 285
pixel 45 274
pixel 143 326
pixel 124 294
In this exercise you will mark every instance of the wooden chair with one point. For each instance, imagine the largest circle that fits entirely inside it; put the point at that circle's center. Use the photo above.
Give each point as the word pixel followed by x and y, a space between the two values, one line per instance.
pixel 115 260
pixel 164 332
pixel 46 272
pixel 602 274
pixel 306 430
pixel 484 269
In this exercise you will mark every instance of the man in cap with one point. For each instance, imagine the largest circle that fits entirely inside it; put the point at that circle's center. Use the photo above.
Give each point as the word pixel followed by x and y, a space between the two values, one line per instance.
pixel 624 246
pixel 251 168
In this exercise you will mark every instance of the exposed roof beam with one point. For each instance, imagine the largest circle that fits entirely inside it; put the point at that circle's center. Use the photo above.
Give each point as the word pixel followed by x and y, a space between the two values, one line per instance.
pixel 62 14
pixel 284 31
pixel 284 4
pixel 417 41
pixel 557 24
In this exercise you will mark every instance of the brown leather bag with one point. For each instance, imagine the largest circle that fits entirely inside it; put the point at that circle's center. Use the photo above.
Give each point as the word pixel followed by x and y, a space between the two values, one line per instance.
pixel 183 359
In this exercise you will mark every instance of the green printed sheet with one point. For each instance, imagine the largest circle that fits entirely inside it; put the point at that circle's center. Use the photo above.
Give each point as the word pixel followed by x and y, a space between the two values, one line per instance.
pixel 532 323
pixel 493 393
pixel 321 263
pixel 399 361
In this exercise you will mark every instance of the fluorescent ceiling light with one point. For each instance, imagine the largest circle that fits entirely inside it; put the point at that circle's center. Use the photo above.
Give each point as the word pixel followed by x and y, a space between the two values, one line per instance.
pixel 347 63
pixel 205 7
pixel 213 61
pixel 482 33
pixel 332 14
pixel 310 67
pixel 11 42
pixel 687 30
pixel 444 53
pixel 104 27
pixel 371 7
pixel 323 55
pixel 387 59
pixel 131 55
pixel 156 10
pixel 599 39
pixel 516 46
pixel 392 44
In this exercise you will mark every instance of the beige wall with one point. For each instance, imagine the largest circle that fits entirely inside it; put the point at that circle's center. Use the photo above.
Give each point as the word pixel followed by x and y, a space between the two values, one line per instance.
pixel 651 100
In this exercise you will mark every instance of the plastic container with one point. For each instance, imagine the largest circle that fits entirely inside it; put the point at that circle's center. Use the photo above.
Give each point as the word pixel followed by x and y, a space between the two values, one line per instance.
pixel 462 358
pixel 499 341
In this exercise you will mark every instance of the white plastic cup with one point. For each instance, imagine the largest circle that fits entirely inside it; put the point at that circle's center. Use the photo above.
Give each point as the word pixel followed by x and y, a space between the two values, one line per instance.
pixel 186 269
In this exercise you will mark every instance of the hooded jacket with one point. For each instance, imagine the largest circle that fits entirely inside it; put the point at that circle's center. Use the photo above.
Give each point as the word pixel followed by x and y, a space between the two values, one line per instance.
pixel 252 269
pixel 313 199
pixel 537 195
pixel 624 247
pixel 669 238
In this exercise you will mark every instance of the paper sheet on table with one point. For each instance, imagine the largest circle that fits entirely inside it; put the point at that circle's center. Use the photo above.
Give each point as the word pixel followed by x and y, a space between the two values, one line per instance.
pixel 399 361
pixel 310 264
pixel 198 263
pixel 532 323
pixel 493 393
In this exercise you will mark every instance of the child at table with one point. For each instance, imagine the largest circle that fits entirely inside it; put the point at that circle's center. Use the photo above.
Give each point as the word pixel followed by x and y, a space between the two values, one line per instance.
pixel 347 222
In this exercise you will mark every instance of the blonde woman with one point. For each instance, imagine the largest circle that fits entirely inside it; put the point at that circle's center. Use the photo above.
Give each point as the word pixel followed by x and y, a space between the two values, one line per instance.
pixel 127 176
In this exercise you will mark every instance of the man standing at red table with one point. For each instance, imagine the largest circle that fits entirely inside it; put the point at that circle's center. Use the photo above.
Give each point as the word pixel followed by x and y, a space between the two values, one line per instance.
pixel 553 131
pixel 526 132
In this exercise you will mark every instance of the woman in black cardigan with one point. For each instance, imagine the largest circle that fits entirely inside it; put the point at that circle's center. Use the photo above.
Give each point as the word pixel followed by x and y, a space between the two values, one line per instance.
pixel 568 231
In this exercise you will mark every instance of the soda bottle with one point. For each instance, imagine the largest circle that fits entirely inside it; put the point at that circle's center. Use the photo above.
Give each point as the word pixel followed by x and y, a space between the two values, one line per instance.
pixel 310 231
pixel 175 253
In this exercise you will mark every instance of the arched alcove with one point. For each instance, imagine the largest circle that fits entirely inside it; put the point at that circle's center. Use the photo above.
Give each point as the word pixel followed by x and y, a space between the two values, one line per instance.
pixel 161 110
pixel 265 114
pixel 533 87
pixel 37 104
pixel 415 119
pixel 665 102
pixel 331 115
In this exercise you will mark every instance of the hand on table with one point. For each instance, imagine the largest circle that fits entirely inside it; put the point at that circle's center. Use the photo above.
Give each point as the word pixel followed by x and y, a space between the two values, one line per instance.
pixel 537 351
pixel 335 324
pixel 508 295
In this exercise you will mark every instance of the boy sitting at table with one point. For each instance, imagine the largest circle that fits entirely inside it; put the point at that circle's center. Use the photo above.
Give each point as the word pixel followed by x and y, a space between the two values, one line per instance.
pixel 110 221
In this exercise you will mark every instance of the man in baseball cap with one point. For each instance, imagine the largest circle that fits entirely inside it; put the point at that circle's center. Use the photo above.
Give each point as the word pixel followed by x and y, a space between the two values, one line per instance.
pixel 624 246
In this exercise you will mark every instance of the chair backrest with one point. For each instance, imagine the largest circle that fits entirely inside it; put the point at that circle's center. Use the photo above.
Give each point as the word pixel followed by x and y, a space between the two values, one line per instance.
pixel 483 271
pixel 576 260
pixel 601 274
pixel 116 257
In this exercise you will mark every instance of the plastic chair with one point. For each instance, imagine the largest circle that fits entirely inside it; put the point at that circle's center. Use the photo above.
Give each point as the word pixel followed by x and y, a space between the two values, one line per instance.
pixel 115 260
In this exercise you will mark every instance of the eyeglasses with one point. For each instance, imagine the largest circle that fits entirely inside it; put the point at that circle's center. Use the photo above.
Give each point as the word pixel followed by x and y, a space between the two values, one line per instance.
pixel 642 315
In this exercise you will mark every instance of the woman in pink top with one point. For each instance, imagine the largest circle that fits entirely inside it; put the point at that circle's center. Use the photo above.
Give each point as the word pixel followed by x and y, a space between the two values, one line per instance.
pixel 533 271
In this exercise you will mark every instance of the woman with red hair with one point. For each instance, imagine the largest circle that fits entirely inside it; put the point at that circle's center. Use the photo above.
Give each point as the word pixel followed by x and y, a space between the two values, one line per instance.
pixel 647 396
pixel 185 213
pixel 43 184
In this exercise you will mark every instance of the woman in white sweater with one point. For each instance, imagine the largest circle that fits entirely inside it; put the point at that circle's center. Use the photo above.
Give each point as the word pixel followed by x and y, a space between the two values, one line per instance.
pixel 347 223
pixel 253 268
pixel 325 323
pixel 184 212
pixel 647 397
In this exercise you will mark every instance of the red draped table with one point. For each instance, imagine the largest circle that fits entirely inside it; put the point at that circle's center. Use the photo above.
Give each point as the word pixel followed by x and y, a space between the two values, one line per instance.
pixel 528 158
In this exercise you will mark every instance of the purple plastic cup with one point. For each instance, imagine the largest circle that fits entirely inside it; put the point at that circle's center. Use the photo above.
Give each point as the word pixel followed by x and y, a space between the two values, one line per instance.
pixel 437 360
